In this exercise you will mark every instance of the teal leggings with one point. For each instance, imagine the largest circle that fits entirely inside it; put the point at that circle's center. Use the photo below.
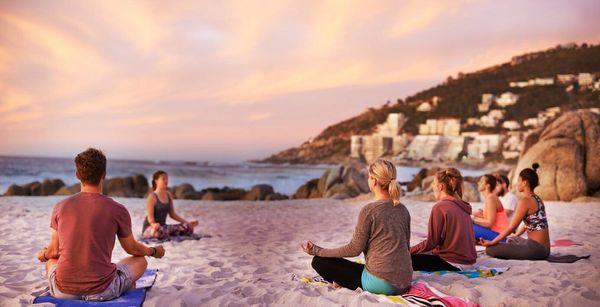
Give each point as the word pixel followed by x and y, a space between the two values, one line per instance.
pixel 376 285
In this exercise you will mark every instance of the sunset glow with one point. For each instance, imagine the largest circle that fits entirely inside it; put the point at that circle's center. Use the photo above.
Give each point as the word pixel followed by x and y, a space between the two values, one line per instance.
pixel 229 81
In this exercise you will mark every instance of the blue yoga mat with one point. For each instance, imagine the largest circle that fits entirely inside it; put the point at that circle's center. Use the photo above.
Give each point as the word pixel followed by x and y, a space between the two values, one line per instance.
pixel 134 297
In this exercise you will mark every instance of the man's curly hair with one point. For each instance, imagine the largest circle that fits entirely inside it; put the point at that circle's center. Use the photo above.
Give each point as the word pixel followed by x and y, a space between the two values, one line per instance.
pixel 91 166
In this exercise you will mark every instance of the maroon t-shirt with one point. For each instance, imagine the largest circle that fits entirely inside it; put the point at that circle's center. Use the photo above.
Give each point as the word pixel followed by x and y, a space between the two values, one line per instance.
pixel 87 224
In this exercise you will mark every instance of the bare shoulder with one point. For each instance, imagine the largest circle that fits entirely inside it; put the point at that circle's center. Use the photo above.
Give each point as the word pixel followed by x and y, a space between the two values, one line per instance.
pixel 151 198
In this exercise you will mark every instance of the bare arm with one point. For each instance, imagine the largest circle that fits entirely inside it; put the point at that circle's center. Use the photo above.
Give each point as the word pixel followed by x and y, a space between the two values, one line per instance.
pixel 52 251
pixel 133 247
pixel 489 214
pixel 520 231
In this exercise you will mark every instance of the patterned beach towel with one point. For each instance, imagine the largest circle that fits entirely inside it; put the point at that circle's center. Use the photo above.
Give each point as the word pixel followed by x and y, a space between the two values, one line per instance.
pixel 194 236
pixel 476 272
pixel 130 298
pixel 420 294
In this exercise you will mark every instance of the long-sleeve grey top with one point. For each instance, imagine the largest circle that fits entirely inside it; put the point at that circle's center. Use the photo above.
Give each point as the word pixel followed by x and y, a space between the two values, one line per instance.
pixel 383 234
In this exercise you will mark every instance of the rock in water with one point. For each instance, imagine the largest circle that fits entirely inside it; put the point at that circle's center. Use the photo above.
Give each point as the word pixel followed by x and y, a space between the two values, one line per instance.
pixel 308 190
pixel 259 192
pixel 568 151
pixel 50 186
pixel 69 190
pixel 185 191
pixel 15 190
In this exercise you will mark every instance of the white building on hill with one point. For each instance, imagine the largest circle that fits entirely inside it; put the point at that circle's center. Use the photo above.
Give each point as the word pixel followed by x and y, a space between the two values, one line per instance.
pixel 585 79
pixel 507 99
pixel 424 107
pixel 565 78
pixel 448 126
pixel 486 102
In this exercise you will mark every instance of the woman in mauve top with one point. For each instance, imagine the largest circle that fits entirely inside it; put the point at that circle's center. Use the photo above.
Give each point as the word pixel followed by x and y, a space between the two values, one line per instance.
pixel 450 243
pixel 382 234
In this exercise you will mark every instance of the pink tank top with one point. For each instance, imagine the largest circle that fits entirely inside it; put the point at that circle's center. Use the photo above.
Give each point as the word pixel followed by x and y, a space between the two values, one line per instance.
pixel 501 222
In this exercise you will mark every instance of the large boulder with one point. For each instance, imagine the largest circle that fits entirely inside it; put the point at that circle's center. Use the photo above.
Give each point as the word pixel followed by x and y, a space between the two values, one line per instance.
pixel 50 186
pixel 140 185
pixel 69 190
pixel 33 189
pixel 308 190
pixel 417 180
pixel 118 186
pixel 259 192
pixel 568 151
pixel 222 194
pixel 134 186
pixel 15 190
pixel 185 191
pixel 470 192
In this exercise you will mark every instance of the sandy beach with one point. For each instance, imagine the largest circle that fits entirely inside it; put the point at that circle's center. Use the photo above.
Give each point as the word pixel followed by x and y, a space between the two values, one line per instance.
pixel 254 253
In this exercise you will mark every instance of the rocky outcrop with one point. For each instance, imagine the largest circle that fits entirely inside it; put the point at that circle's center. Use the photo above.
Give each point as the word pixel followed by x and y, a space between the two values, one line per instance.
pixel 36 188
pixel 424 190
pixel 259 192
pixel 185 191
pixel 69 190
pixel 135 186
pixel 222 194
pixel 51 186
pixel 417 180
pixel 340 182
pixel 15 190
pixel 308 190
pixel 568 151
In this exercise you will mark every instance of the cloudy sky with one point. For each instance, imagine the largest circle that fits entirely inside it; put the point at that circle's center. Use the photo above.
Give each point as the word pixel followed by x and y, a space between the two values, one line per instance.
pixel 229 81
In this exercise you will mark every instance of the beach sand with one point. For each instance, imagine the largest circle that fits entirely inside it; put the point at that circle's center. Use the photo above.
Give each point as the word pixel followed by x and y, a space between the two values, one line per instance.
pixel 255 250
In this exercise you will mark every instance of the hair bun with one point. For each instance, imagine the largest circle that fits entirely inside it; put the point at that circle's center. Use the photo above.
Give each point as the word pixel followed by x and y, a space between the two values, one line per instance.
pixel 535 166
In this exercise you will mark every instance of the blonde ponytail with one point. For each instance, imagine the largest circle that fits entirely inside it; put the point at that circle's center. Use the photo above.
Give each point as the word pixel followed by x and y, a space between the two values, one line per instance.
pixel 384 172
pixel 394 190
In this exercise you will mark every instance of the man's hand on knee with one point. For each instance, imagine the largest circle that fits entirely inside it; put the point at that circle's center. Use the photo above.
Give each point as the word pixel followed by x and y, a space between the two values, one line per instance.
pixel 158 251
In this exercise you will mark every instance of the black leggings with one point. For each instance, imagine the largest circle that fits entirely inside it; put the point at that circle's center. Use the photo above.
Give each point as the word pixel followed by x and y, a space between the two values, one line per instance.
pixel 429 263
pixel 339 270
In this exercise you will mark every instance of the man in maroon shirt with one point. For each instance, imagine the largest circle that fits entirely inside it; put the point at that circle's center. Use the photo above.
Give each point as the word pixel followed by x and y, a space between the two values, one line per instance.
pixel 83 227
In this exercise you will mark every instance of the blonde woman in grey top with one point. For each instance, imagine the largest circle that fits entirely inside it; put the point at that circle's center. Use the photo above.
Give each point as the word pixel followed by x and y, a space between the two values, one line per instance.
pixel 382 233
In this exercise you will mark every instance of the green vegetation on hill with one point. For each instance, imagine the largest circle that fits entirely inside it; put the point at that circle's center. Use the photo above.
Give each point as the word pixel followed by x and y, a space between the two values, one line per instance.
pixel 459 98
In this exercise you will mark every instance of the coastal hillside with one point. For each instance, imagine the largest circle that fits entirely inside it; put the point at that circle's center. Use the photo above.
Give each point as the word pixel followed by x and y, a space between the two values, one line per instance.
pixel 459 96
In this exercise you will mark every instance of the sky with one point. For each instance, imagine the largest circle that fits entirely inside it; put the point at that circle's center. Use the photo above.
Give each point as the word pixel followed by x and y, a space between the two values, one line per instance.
pixel 229 81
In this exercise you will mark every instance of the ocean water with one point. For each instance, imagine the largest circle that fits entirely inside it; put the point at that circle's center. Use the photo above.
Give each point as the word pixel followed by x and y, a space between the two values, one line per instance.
pixel 284 178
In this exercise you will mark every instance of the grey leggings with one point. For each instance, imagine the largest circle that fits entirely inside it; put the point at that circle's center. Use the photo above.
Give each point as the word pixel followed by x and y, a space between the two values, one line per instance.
pixel 520 250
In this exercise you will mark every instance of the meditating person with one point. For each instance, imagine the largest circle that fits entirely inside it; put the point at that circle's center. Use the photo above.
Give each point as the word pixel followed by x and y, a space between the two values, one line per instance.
pixel 382 234
pixel 450 239
pixel 160 204
pixel 531 211
pixel 83 230
pixel 488 223
pixel 507 198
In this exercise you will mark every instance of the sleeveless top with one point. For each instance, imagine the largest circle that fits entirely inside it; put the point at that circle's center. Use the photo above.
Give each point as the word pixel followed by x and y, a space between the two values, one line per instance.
pixel 501 222
pixel 161 210
pixel 537 220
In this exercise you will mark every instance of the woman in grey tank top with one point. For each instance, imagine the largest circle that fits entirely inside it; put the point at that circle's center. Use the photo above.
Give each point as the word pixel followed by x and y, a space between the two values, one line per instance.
pixel 158 206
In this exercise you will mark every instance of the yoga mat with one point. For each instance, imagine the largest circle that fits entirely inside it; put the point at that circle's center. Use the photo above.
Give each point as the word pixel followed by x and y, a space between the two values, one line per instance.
pixel 133 297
